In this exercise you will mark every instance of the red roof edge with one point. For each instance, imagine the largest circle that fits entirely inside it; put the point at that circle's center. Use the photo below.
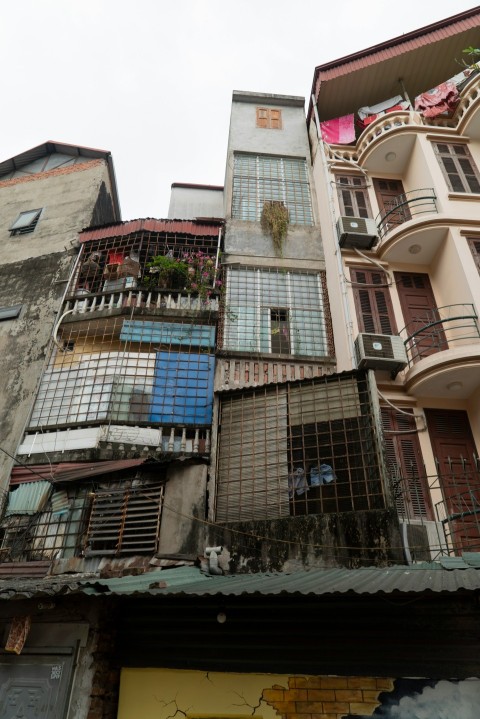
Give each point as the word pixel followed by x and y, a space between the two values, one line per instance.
pixel 181 227
pixel 394 42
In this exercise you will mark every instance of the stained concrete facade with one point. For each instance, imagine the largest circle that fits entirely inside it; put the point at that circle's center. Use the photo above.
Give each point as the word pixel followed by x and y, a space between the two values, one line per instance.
pixel 76 189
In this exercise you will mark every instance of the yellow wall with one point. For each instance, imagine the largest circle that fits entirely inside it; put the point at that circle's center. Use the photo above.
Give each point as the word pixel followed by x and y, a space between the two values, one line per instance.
pixel 165 693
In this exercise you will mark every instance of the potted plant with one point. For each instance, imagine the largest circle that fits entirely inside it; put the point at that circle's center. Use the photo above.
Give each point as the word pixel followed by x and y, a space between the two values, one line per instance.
pixel 165 272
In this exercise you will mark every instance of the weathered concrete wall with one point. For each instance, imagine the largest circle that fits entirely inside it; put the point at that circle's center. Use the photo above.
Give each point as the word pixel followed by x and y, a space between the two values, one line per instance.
pixel 246 240
pixel 185 497
pixel 71 199
pixel 38 285
pixel 34 270
pixel 350 539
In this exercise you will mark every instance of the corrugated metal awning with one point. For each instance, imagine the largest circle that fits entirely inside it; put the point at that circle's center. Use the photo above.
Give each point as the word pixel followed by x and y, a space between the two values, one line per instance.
pixel 70 471
pixel 181 227
pixel 28 498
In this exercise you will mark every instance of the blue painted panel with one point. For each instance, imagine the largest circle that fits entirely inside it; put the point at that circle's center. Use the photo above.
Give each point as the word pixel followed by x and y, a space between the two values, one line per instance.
pixel 183 388
pixel 173 333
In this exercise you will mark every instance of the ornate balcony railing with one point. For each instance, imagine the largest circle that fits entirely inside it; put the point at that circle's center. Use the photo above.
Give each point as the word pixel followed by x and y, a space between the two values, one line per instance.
pixel 84 302
pixel 404 207
pixel 439 328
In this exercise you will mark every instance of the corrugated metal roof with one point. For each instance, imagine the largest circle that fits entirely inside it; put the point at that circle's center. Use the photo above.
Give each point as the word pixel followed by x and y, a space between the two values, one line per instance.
pixel 435 577
pixel 181 227
pixel 451 574
pixel 69 471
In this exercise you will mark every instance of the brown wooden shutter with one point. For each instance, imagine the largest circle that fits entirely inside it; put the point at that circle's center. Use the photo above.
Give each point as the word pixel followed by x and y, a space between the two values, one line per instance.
pixel 405 465
pixel 458 167
pixel 262 117
pixel 456 457
pixel 419 309
pixel 475 250
pixel 374 307
pixel 353 196
pixel 276 119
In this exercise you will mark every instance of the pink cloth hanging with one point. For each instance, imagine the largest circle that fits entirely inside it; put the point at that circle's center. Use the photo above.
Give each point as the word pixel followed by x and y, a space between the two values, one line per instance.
pixel 339 131
pixel 443 98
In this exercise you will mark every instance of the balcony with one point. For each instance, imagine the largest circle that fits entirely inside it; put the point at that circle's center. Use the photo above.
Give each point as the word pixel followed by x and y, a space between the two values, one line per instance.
pixel 443 350
pixel 385 145
pixel 85 303
pixel 405 207
pixel 466 118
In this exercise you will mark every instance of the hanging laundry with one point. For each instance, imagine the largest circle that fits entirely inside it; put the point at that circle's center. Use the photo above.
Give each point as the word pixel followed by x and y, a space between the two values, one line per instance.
pixel 440 99
pixel 297 482
pixel 17 636
pixel 367 115
pixel 339 131
pixel 364 112
pixel 321 475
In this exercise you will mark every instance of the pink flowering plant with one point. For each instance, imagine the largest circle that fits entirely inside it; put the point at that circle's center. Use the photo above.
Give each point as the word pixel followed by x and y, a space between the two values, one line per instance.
pixel 194 271
pixel 201 274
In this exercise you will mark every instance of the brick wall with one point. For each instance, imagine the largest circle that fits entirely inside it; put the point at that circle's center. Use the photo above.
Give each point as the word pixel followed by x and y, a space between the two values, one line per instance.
pixel 327 697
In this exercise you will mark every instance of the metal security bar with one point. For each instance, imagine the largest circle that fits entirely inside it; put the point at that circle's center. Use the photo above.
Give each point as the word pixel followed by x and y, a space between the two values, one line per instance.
pixel 128 371
pixel 405 206
pixel 440 328
pixel 302 448
pixel 268 311
pixel 258 179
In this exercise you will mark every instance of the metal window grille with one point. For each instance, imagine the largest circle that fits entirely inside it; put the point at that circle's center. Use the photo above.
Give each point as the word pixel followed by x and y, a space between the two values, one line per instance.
pixel 125 520
pixel 257 179
pixel 269 311
pixel 304 448
pixel 25 222
pixel 56 531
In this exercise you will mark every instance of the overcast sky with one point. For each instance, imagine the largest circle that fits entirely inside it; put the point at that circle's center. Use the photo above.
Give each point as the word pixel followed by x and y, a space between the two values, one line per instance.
pixel 151 80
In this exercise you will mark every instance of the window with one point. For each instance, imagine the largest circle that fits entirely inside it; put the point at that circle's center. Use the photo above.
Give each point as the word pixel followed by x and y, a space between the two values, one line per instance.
pixel 353 196
pixel 275 312
pixel 269 118
pixel 25 222
pixel 405 465
pixel 372 302
pixel 474 244
pixel 10 313
pixel 458 167
pixel 298 448
pixel 258 179
pixel 125 520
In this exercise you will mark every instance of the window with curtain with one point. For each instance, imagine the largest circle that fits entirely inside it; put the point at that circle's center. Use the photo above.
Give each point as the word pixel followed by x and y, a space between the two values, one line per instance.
pixel 259 178
pixel 275 312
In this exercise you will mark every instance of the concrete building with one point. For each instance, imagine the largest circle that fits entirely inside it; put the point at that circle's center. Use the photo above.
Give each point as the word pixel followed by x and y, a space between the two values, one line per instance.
pixel 396 151
pixel 47 195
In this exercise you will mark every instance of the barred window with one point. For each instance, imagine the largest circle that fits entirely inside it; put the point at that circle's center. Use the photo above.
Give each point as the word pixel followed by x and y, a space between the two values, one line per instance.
pixel 258 178
pixel 125 520
pixel 275 312
pixel 301 448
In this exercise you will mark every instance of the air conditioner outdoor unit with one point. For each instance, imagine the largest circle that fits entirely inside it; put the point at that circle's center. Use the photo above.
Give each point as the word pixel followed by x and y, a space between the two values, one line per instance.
pixel 424 541
pixel 380 352
pixel 358 232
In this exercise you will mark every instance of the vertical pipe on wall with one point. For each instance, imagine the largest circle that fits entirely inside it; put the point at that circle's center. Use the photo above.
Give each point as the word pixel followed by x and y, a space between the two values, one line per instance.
pixel 341 275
